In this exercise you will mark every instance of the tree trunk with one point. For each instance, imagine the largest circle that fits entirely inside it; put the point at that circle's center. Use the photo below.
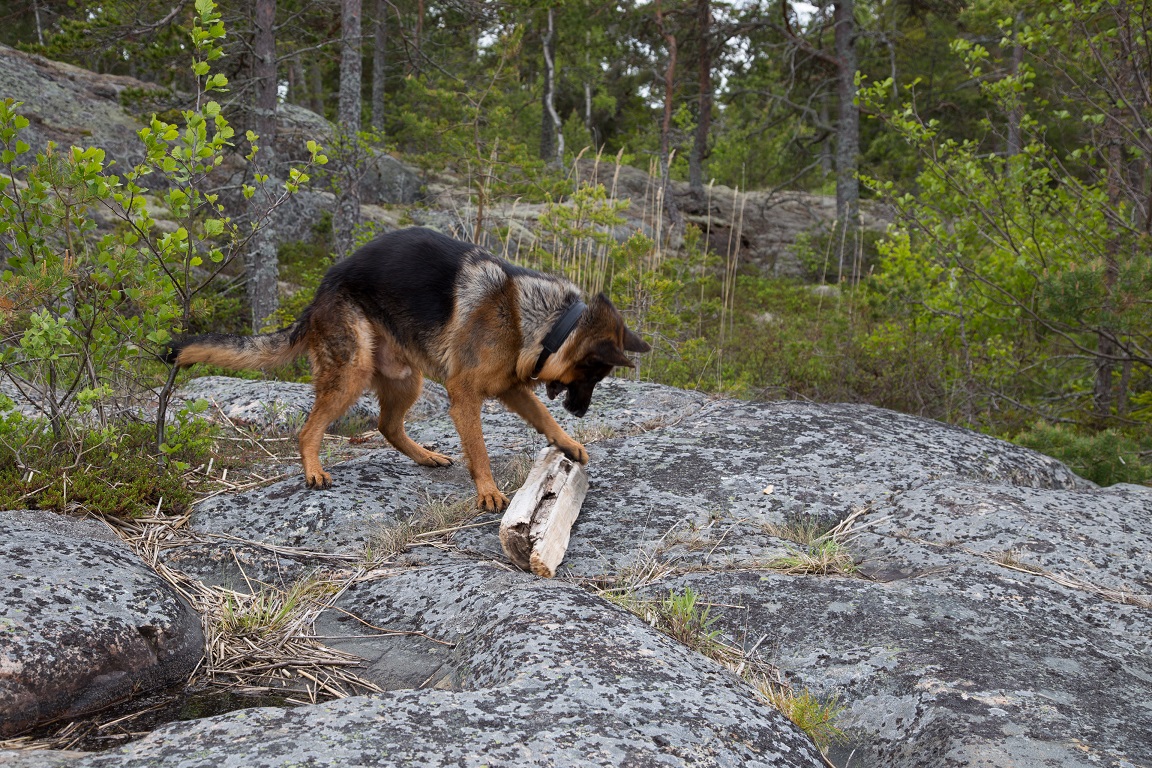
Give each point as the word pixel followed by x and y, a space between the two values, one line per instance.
pixel 379 40
pixel 260 260
pixel 551 135
pixel 316 88
pixel 1015 143
pixel 827 163
pixel 704 119
pixel 347 213
pixel 1108 352
pixel 847 133
pixel 39 28
pixel 666 123
pixel 414 67
pixel 297 83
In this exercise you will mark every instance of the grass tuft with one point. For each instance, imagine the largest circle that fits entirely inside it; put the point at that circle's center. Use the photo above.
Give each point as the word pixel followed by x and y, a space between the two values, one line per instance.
pixel 811 714
pixel 436 517
pixel 825 557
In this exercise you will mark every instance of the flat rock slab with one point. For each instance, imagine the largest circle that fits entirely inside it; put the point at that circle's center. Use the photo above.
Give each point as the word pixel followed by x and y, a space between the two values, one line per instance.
pixel 695 490
pixel 957 659
pixel 1001 617
pixel 539 673
pixel 618 407
pixel 84 622
pixel 1100 537
pixel 283 406
pixel 976 666
pixel 383 487
pixel 378 489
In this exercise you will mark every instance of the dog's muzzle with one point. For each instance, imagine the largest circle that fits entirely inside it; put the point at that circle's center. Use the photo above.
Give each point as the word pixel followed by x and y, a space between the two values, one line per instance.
pixel 576 402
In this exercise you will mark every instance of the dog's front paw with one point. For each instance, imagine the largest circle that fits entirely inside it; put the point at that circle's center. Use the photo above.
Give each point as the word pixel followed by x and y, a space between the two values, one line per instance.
pixel 490 499
pixel 574 451
pixel 318 479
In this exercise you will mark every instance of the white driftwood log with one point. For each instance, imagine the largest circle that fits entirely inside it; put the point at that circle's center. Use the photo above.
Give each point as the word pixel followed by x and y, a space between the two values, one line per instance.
pixel 535 530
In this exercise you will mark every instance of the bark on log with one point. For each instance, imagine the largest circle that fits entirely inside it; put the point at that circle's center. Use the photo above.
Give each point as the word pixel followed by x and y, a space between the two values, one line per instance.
pixel 535 530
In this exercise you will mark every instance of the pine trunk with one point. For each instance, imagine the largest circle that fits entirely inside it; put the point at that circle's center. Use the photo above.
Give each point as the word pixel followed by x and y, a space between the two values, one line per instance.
pixel 847 134
pixel 551 136
pixel 666 125
pixel 260 260
pixel 379 42
pixel 704 119
pixel 347 214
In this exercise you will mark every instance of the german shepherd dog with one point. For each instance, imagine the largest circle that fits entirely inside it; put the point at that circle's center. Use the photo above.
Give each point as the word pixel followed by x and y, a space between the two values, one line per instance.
pixel 416 303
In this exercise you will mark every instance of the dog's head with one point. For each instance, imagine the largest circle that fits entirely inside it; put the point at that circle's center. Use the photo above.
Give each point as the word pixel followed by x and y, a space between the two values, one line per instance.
pixel 596 346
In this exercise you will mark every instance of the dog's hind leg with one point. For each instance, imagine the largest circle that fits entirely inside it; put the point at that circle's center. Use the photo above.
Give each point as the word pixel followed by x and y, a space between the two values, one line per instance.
pixel 396 397
pixel 341 370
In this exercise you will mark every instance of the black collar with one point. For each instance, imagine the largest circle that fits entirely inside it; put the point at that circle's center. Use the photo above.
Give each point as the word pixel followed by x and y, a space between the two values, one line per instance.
pixel 559 333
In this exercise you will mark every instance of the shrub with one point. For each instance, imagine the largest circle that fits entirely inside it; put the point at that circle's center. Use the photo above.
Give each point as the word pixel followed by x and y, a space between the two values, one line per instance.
pixel 1105 458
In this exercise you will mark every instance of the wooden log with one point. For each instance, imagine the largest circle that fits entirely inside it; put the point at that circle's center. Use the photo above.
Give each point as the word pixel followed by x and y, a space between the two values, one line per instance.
pixel 535 530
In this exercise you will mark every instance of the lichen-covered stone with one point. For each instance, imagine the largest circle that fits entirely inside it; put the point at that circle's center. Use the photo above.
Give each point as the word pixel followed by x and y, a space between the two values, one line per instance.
pixel 1000 615
pixel 83 622
pixel 696 490
pixel 541 673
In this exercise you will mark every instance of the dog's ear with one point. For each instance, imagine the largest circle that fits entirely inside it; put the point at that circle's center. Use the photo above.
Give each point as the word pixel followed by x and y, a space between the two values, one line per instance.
pixel 608 353
pixel 633 342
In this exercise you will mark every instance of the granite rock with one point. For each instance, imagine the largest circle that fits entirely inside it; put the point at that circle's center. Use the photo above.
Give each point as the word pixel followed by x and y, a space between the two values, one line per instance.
pixel 538 673
pixel 84 622
pixel 999 614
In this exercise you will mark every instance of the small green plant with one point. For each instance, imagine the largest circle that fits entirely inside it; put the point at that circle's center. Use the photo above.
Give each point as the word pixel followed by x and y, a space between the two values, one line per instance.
pixel 86 314
pixel 825 556
pixel 685 617
pixel 37 471
pixel 811 714
pixel 805 530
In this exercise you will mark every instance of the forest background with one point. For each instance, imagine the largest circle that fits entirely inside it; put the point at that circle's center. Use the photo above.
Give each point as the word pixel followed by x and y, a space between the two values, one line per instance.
pixel 1009 143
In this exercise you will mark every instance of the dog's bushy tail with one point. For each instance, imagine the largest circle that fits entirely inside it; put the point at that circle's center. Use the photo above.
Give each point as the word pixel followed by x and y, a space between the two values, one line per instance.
pixel 239 353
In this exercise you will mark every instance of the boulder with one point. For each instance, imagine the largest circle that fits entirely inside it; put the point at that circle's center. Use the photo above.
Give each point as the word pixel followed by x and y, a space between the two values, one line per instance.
pixel 85 623
pixel 72 106
pixel 384 179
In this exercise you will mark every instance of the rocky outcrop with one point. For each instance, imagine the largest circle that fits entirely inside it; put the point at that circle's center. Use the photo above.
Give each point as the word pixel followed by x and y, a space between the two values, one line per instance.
pixel 83 622
pixel 999 611
pixel 74 107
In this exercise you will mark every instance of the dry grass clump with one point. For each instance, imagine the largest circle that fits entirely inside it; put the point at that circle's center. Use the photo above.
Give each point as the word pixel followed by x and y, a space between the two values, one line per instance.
pixel 820 549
